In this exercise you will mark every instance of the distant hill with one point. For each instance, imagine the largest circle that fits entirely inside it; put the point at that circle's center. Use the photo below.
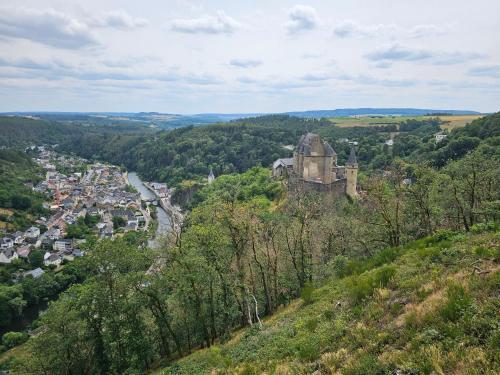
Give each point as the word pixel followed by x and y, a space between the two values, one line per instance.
pixel 342 112
pixel 172 120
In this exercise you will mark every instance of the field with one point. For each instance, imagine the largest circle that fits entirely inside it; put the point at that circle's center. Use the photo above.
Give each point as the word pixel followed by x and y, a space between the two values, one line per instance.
pixel 450 121
pixel 457 121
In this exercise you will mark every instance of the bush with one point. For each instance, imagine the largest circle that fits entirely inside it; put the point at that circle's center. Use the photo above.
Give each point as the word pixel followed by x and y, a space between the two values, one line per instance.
pixel 306 293
pixel 12 339
pixel 457 304
pixel 366 364
pixel 362 286
pixel 484 227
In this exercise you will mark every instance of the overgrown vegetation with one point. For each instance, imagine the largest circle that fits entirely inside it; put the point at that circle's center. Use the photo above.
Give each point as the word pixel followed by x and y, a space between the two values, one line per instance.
pixel 18 202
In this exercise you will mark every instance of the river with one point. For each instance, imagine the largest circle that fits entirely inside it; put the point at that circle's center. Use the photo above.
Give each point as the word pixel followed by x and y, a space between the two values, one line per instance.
pixel 164 223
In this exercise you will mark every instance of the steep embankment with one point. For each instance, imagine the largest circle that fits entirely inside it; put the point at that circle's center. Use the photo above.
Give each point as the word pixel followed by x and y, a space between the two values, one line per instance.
pixel 430 307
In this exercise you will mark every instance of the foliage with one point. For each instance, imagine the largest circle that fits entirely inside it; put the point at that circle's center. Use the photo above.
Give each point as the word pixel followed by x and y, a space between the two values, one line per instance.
pixel 11 339
pixel 16 169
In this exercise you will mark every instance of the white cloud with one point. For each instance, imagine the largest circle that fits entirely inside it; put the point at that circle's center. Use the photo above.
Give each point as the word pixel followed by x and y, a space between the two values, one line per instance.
pixel 117 19
pixel 245 63
pixel 47 26
pixel 485 71
pixel 351 29
pixel 397 52
pixel 301 18
pixel 220 24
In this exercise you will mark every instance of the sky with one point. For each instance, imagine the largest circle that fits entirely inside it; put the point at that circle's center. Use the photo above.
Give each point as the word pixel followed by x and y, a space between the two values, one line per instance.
pixel 183 56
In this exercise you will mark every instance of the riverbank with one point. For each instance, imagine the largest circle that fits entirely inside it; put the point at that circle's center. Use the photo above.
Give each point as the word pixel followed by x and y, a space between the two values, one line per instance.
pixel 163 218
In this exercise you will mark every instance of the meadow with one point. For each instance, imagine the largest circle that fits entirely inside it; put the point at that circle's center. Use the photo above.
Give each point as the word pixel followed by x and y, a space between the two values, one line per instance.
pixel 450 122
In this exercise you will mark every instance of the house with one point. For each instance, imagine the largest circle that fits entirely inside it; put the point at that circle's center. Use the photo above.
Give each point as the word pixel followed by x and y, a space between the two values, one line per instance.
pixel 440 137
pixel 32 232
pixel 131 226
pixel 282 167
pixel 389 142
pixel 54 259
pixel 7 256
pixel 54 233
pixel 23 252
pixel 36 273
pixel 125 214
pixel 63 245
pixel 18 237
pixel 6 243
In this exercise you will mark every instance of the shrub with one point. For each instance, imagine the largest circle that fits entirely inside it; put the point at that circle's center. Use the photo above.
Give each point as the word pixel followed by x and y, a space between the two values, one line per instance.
pixel 457 304
pixel 11 339
pixel 311 324
pixel 366 364
pixel 308 350
pixel 362 286
pixel 306 293
pixel 484 227
pixel 339 265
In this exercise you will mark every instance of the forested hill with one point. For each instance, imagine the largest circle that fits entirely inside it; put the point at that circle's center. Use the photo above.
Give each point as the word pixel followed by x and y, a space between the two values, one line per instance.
pixel 403 279
pixel 189 153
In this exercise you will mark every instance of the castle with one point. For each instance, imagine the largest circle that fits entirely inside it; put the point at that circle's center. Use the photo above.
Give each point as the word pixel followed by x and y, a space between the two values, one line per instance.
pixel 314 167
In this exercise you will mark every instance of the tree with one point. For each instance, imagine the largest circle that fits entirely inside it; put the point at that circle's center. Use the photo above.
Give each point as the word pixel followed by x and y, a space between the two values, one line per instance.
pixel 36 258
pixel 118 222
pixel 11 339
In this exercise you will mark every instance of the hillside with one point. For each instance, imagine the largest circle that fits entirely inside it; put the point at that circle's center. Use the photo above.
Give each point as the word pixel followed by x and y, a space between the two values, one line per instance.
pixel 428 307
pixel 17 200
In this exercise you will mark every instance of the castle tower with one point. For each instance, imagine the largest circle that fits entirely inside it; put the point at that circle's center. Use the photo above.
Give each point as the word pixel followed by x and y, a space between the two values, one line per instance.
pixel 211 176
pixel 352 174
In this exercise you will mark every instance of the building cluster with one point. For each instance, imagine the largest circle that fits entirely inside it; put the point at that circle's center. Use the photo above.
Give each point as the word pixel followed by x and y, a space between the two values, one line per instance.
pixel 101 191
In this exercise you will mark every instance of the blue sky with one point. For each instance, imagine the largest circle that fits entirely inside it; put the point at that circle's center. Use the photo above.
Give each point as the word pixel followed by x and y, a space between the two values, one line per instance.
pixel 183 56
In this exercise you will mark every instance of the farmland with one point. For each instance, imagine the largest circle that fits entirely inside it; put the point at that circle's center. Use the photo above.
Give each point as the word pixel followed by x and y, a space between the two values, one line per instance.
pixel 365 121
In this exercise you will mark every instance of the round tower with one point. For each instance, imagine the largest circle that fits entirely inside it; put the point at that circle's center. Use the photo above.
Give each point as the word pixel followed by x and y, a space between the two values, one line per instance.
pixel 351 169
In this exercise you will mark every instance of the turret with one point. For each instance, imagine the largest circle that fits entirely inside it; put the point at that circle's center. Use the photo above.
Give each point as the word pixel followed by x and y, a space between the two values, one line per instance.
pixel 211 176
pixel 351 169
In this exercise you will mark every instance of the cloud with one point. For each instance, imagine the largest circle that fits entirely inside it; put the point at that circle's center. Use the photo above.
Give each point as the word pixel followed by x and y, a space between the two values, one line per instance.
pixel 315 77
pixel 485 71
pixel 301 18
pixel 220 24
pixel 245 63
pixel 56 70
pixel 397 52
pixel 48 27
pixel 352 29
pixel 421 31
pixel 118 19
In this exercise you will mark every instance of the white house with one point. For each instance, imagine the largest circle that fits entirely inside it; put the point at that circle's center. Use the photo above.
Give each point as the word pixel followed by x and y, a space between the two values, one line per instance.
pixel 32 232
pixel 7 256
pixel 440 137
pixel 6 243
pixel 54 259
pixel 36 273
pixel 63 245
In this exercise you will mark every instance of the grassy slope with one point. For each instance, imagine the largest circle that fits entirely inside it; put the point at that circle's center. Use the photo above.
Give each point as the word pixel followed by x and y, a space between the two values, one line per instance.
pixel 431 306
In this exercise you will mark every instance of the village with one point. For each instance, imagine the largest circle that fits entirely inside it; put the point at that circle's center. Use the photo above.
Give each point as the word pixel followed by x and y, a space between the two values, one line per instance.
pixel 85 198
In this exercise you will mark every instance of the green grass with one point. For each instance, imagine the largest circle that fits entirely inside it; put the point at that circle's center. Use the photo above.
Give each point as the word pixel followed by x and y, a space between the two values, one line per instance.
pixel 421 308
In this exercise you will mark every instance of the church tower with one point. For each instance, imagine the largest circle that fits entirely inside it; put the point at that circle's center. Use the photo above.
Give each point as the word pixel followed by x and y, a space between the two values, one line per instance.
pixel 351 169
pixel 211 176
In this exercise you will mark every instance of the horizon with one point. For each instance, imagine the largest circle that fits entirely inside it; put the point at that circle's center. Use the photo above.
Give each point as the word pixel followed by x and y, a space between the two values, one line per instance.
pixel 190 57
pixel 258 114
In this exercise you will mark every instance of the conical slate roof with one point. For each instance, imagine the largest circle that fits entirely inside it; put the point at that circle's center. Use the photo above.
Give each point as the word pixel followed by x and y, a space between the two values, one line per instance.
pixel 352 157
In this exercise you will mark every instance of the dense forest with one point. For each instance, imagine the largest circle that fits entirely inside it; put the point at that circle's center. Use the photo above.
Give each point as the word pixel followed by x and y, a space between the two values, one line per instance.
pixel 404 278
pixel 18 173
